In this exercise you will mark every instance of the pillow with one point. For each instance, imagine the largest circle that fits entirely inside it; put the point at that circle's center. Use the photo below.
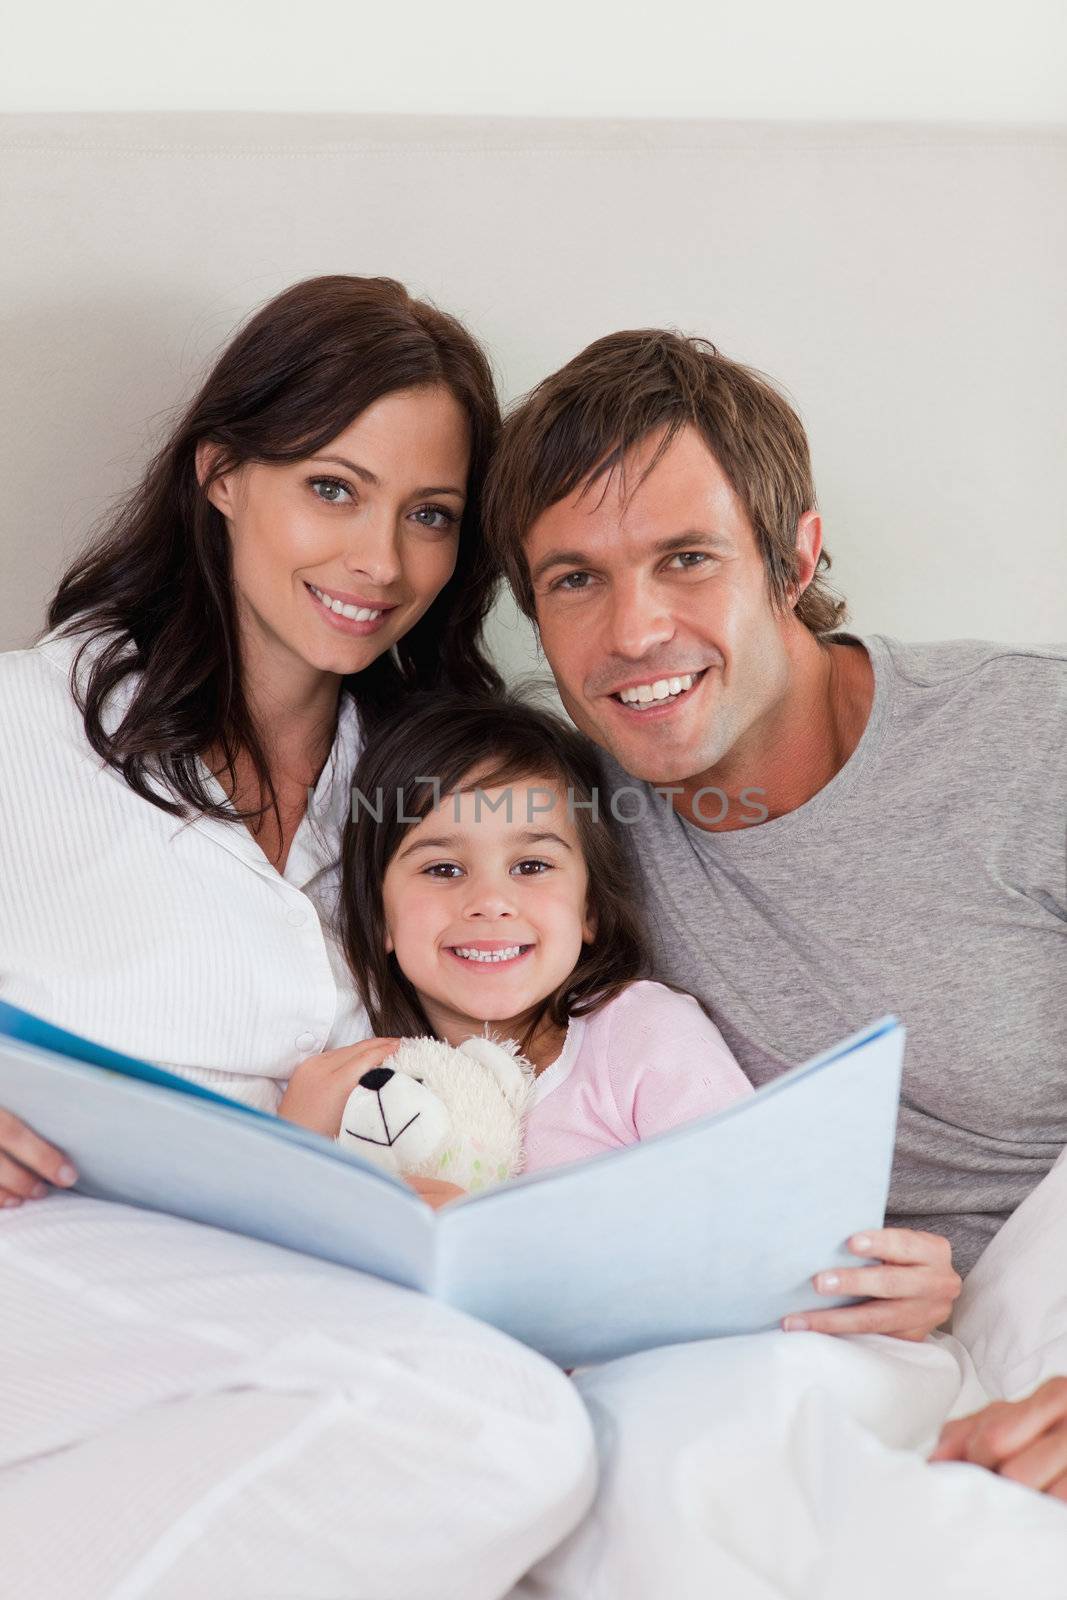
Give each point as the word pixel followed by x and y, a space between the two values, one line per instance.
pixel 1012 1313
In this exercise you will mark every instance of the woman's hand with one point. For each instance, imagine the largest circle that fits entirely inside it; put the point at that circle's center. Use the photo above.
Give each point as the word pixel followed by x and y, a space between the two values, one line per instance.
pixel 1024 1440
pixel 912 1292
pixel 319 1088
pixel 435 1191
pixel 25 1160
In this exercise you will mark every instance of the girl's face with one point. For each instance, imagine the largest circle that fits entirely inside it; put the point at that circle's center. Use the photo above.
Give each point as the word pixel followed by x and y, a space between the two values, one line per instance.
pixel 487 912
pixel 370 523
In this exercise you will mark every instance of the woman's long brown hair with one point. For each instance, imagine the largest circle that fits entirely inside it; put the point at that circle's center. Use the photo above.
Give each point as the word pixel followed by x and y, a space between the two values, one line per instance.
pixel 158 574
pixel 451 738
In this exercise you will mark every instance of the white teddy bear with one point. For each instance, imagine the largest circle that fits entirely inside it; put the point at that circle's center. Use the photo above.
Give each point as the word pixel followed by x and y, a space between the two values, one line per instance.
pixel 434 1111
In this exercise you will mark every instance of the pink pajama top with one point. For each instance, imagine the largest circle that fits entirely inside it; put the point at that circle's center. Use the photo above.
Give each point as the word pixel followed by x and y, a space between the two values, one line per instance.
pixel 647 1061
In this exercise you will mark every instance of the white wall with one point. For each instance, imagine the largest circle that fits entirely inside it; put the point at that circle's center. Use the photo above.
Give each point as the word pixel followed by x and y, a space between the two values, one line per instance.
pixel 906 286
pixel 945 60
pixel 983 62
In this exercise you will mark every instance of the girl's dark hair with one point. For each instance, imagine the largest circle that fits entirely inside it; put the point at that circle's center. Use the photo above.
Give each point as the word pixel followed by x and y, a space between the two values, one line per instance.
pixel 449 738
pixel 158 574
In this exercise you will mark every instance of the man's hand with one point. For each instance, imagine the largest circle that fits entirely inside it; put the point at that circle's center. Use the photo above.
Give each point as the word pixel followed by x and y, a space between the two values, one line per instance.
pixel 911 1293
pixel 1025 1440
pixel 318 1090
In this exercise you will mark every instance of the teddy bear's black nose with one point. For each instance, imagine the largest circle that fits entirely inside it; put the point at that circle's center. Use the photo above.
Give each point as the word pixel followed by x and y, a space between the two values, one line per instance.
pixel 376 1078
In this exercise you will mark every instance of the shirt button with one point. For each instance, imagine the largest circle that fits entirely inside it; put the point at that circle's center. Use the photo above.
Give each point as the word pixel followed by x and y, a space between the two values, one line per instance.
pixel 306 1041
pixel 296 918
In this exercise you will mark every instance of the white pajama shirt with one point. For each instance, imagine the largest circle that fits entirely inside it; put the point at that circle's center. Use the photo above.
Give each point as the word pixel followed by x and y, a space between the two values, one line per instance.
pixel 184 1411
pixel 178 942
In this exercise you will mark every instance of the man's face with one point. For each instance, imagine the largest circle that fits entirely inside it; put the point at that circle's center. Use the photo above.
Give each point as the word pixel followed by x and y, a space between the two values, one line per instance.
pixel 645 597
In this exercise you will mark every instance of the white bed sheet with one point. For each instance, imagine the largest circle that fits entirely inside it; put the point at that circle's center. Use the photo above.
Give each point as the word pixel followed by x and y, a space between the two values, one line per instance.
pixel 794 1465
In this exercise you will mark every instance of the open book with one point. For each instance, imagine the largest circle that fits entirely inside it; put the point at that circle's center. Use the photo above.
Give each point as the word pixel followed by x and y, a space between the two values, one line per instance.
pixel 713 1228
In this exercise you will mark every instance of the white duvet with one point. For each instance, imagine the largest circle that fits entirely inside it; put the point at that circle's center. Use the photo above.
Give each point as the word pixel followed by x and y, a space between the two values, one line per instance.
pixel 793 1465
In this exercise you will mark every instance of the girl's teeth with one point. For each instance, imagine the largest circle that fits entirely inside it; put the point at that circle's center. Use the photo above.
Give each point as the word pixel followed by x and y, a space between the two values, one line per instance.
pixel 490 955
pixel 662 689
pixel 354 613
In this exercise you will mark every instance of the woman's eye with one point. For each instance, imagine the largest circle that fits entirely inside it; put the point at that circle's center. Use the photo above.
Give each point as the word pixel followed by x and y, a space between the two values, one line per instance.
pixel 444 520
pixel 538 867
pixel 331 490
pixel 442 869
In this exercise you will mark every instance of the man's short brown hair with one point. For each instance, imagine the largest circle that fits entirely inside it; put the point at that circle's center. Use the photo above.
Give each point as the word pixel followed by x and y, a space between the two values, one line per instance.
pixel 580 422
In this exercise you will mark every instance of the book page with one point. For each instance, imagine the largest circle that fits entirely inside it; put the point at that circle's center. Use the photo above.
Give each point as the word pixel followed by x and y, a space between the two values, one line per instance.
pixel 213 1161
pixel 714 1228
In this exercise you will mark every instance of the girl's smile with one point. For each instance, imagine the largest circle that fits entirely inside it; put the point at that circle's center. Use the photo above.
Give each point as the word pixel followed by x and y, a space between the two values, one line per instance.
pixel 490 956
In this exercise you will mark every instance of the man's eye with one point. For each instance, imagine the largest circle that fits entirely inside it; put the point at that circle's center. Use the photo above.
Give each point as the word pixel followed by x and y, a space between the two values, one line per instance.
pixel 572 581
pixel 691 558
pixel 537 868
pixel 331 490
pixel 442 869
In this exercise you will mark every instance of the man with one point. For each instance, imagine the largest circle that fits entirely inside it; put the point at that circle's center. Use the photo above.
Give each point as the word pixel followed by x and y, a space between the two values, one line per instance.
pixel 828 828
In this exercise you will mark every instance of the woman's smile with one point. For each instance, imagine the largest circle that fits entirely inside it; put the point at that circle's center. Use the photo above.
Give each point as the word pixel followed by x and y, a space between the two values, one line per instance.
pixel 346 616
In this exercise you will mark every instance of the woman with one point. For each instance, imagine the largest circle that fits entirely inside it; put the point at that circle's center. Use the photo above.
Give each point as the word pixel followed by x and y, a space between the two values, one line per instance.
pixel 184 1411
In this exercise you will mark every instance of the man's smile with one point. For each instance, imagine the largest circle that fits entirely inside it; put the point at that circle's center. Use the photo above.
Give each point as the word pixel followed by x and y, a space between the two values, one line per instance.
pixel 657 694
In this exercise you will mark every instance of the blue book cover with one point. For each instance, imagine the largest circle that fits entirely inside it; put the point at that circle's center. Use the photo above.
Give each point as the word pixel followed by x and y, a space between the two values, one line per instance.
pixel 714 1228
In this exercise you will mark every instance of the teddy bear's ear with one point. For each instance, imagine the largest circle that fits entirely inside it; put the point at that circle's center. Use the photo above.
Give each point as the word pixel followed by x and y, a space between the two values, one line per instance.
pixel 511 1070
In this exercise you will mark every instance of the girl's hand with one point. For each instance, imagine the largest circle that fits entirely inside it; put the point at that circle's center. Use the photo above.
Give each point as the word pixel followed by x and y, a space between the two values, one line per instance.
pixel 319 1088
pixel 25 1160
pixel 912 1293
pixel 435 1191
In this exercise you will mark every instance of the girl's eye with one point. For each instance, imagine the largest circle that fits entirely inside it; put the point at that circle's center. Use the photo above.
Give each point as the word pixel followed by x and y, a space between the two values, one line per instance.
pixel 330 490
pixel 444 521
pixel 538 866
pixel 442 869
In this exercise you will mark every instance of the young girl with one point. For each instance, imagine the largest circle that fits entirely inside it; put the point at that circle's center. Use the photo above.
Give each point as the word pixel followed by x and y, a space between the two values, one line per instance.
pixel 484 881
pixel 483 884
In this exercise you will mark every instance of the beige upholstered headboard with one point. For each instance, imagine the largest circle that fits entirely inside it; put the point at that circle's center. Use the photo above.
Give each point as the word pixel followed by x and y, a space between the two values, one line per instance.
pixel 906 284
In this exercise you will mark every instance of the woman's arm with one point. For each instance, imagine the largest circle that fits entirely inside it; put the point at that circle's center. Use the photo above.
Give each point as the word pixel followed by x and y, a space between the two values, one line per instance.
pixel 28 1165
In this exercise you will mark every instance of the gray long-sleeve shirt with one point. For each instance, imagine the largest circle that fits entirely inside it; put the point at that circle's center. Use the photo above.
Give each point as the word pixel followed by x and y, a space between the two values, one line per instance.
pixel 928 879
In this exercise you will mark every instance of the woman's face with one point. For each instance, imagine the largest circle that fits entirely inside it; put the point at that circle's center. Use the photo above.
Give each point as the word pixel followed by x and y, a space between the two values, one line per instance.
pixel 369 523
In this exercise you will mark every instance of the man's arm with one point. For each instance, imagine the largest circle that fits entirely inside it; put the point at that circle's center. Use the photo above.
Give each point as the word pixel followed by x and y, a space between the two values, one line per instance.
pixel 1025 1440
pixel 912 1290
